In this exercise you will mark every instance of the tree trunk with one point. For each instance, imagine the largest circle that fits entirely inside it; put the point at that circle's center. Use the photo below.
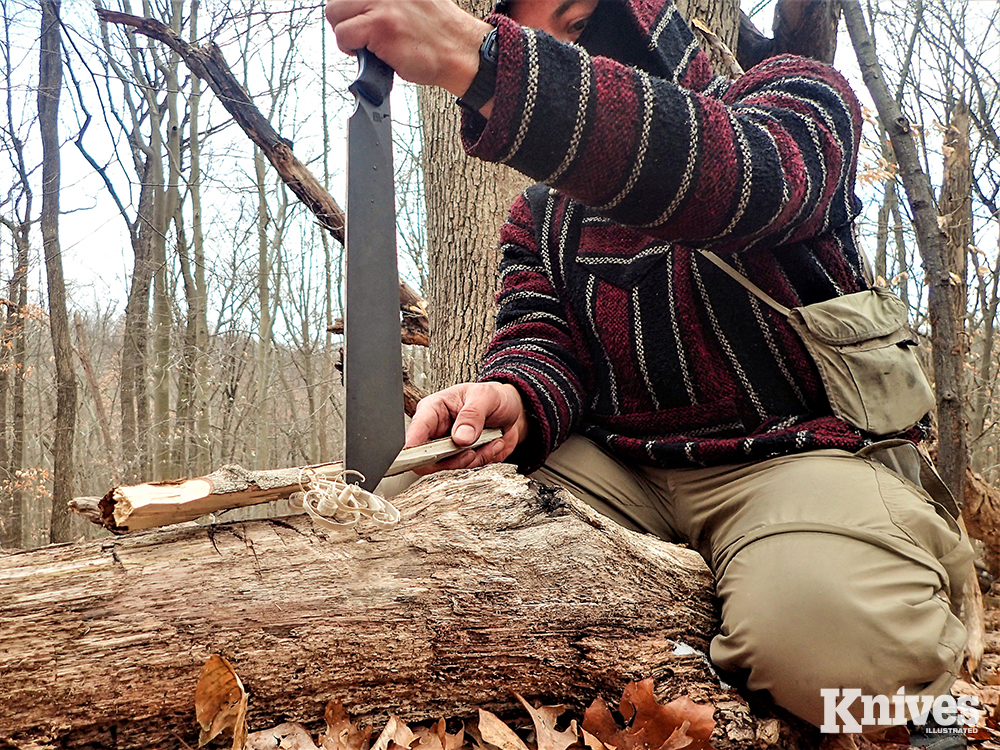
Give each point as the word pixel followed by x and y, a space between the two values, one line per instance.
pixel 467 202
pixel 134 399
pixel 13 341
pixel 168 199
pixel 944 293
pixel 262 453
pixel 956 217
pixel 198 295
pixel 491 585
pixel 49 87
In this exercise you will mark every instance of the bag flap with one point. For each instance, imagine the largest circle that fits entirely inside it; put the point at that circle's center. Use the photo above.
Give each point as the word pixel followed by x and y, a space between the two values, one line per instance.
pixel 854 317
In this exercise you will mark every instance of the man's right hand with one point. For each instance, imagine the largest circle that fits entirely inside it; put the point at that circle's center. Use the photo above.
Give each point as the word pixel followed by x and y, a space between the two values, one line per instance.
pixel 464 410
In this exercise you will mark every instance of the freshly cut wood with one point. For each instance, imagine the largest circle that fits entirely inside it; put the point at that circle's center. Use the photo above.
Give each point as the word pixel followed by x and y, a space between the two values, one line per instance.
pixel 491 585
pixel 146 506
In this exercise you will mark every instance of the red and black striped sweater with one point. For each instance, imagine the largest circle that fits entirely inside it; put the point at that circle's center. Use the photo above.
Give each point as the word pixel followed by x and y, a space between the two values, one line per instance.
pixel 609 322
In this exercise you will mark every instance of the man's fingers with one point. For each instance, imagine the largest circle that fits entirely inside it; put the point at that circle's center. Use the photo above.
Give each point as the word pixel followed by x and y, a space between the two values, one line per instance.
pixel 432 419
pixel 481 401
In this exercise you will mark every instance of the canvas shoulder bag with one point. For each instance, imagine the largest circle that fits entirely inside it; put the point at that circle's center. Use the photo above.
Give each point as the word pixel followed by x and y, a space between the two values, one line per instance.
pixel 865 353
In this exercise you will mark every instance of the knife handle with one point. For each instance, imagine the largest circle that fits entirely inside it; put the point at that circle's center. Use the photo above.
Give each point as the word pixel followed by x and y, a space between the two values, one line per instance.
pixel 374 81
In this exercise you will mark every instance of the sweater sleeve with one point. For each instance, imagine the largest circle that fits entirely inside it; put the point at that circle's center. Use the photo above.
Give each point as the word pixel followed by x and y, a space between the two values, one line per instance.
pixel 534 348
pixel 772 160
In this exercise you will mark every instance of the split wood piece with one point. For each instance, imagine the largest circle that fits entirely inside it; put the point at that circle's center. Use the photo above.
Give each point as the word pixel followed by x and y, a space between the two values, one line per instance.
pixel 492 584
pixel 146 506
pixel 207 63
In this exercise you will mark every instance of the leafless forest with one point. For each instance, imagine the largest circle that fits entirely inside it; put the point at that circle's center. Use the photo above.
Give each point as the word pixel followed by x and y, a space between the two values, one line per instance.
pixel 167 301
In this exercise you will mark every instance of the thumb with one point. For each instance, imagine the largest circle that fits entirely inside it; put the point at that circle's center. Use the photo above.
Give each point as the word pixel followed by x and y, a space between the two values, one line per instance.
pixel 470 419
pixel 465 434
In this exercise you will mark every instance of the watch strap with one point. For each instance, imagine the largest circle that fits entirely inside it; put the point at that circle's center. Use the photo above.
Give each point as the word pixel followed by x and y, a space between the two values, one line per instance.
pixel 484 83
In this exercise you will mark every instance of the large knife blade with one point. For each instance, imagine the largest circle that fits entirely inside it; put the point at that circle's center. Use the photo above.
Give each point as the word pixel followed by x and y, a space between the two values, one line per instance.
pixel 373 367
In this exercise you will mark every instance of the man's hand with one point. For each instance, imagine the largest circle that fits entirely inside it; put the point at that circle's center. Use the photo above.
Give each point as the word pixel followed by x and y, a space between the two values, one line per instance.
pixel 425 41
pixel 464 410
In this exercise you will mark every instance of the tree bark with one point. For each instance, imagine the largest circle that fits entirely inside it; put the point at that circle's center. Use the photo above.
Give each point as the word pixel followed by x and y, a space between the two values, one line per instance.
pixel 491 585
pixel 801 27
pixel 956 218
pixel 49 87
pixel 467 202
pixel 13 342
pixel 944 292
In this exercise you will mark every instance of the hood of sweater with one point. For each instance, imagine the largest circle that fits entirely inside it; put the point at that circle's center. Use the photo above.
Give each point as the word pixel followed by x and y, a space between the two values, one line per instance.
pixel 650 35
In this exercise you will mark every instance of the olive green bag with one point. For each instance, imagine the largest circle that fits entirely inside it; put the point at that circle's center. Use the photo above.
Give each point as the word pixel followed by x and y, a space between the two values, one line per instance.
pixel 865 353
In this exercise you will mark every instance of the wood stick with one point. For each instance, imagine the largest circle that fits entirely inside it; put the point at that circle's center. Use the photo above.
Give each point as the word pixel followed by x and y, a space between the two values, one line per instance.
pixel 146 506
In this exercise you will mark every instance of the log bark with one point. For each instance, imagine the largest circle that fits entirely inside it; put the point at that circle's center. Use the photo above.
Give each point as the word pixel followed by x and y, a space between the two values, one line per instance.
pixel 492 584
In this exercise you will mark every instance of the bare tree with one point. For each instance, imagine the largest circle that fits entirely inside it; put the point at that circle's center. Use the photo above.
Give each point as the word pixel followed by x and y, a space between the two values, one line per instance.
pixel 12 338
pixel 49 88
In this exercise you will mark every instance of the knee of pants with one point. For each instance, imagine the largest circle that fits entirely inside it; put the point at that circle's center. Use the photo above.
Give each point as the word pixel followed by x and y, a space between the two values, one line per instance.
pixel 808 611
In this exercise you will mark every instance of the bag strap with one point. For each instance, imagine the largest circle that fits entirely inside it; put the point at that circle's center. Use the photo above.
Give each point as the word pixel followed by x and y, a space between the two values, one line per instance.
pixel 746 283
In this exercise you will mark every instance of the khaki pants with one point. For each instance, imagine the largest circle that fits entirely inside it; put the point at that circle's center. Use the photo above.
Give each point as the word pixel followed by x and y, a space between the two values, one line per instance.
pixel 834 571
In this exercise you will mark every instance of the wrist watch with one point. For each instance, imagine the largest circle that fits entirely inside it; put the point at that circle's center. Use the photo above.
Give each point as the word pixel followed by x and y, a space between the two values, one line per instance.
pixel 484 84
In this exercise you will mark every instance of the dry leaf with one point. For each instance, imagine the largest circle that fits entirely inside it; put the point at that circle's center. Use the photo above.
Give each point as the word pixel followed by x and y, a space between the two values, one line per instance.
pixel 428 738
pixel 288 736
pixel 678 738
pixel 220 702
pixel 592 742
pixel 341 733
pixel 437 738
pixel 395 732
pixel 651 725
pixel 494 732
pixel 544 719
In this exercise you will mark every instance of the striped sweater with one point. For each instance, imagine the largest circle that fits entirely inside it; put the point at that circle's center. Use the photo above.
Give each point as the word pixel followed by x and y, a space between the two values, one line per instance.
pixel 609 322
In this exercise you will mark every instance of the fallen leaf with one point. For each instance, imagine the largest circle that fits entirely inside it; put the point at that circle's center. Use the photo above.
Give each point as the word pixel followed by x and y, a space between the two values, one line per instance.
pixel 428 738
pixel 544 719
pixel 341 733
pixel 678 738
pixel 592 742
pixel 395 732
pixel 436 737
pixel 977 734
pixel 650 725
pixel 220 703
pixel 288 736
pixel 494 732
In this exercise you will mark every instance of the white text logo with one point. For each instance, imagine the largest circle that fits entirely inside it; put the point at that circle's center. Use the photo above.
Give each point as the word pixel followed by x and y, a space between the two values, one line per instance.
pixel 947 711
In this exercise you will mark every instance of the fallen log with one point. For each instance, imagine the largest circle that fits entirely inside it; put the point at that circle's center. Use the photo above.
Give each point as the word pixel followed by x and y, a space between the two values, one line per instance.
pixel 492 584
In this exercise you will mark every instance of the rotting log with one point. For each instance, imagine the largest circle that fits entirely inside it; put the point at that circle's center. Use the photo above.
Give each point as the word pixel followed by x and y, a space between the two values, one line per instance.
pixel 492 584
